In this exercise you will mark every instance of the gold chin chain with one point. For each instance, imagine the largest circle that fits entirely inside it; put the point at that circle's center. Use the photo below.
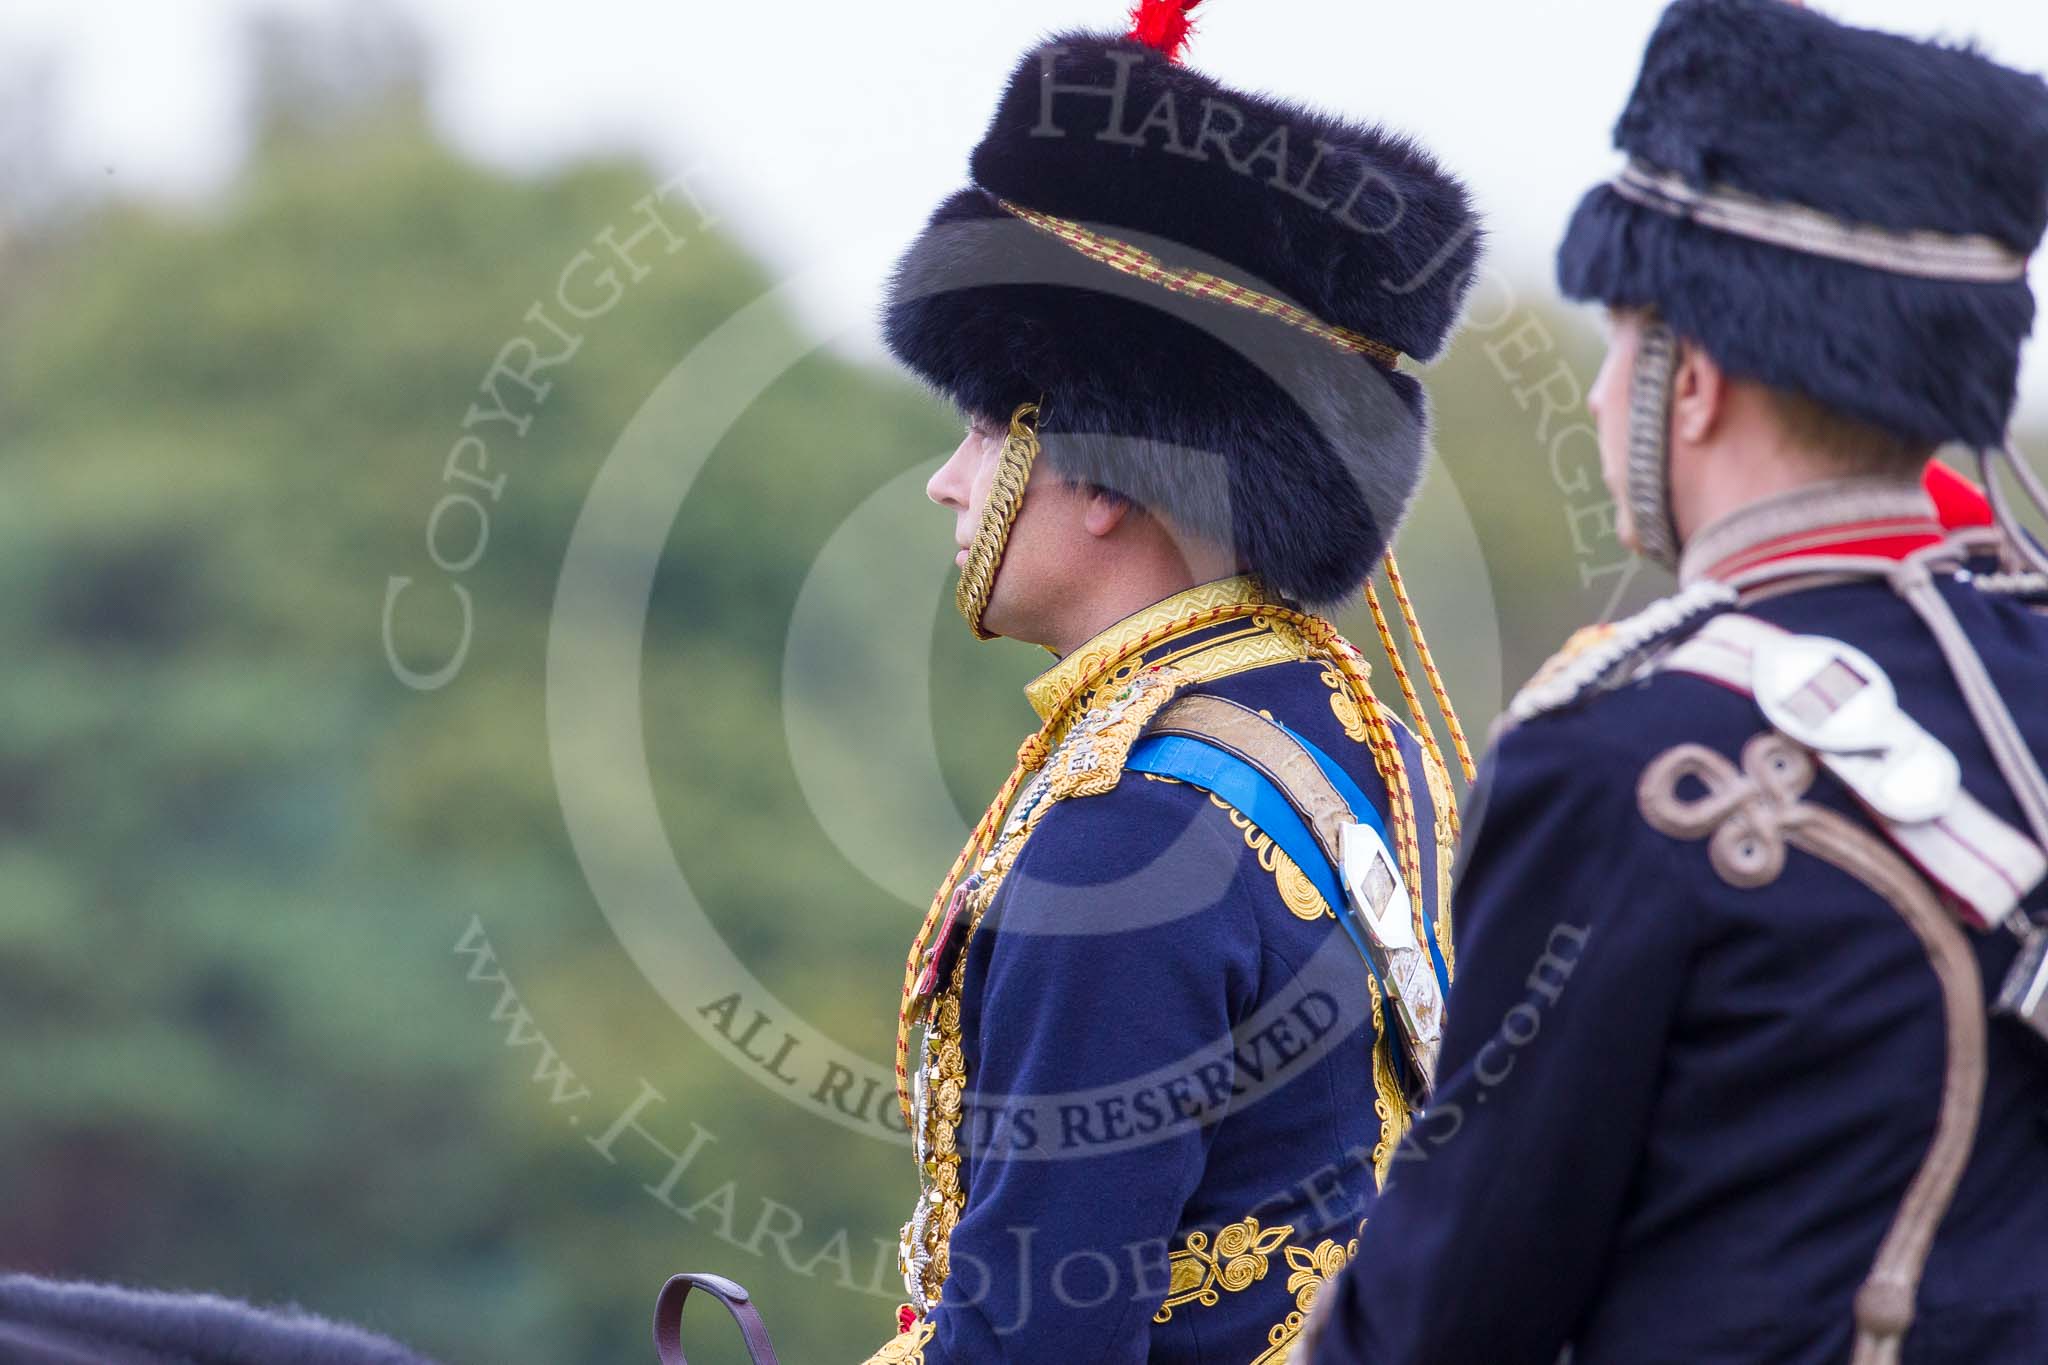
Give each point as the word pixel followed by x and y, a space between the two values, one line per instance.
pixel 998 515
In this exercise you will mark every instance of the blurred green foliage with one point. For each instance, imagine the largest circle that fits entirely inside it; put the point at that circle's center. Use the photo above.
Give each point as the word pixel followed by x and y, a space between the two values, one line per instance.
pixel 236 854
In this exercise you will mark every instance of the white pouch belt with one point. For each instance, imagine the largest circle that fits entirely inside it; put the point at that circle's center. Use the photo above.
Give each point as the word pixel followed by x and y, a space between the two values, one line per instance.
pixel 1833 698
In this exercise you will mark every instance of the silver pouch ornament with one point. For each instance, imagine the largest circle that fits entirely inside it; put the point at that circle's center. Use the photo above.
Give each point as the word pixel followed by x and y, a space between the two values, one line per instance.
pixel 1380 905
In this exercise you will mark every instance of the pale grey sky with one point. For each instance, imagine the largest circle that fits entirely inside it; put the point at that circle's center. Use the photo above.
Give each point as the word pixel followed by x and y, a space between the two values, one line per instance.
pixel 878 103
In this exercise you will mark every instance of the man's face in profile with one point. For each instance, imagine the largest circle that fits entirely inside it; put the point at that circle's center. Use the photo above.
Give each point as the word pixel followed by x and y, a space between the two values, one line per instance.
pixel 1048 545
pixel 963 481
pixel 1608 402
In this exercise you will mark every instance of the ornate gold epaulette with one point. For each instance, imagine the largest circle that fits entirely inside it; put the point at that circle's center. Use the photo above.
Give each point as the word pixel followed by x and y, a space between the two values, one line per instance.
pixel 1090 759
pixel 1599 656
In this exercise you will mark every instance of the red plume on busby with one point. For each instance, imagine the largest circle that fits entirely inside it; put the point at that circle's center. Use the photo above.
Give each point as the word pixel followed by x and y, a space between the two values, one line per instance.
pixel 1164 25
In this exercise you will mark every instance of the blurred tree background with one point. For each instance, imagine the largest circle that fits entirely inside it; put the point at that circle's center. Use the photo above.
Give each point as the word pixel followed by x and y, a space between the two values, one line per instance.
pixel 237 855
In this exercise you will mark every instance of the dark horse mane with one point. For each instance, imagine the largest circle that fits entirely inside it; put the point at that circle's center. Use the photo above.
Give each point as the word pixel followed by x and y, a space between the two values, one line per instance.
pixel 49 1322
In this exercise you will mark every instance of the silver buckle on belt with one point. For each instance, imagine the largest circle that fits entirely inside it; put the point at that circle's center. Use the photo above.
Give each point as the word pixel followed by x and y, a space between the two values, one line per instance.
pixel 1372 883
pixel 1834 699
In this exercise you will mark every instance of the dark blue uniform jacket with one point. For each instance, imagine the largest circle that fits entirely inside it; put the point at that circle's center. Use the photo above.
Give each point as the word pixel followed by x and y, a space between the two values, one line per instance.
pixel 1675 1117
pixel 1175 1100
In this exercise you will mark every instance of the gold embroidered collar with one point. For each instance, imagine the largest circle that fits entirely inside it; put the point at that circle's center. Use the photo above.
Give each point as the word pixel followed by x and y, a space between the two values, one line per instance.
pixel 1056 690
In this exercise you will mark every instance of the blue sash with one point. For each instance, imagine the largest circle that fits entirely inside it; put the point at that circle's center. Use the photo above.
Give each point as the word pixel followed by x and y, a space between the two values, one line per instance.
pixel 1255 797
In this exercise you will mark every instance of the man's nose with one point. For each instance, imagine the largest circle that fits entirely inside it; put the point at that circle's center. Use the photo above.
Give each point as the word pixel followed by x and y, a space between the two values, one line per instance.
pixel 944 487
pixel 1596 396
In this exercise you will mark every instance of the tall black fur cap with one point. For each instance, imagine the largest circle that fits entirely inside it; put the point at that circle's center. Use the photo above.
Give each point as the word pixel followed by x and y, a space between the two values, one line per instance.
pixel 1871 128
pixel 1235 426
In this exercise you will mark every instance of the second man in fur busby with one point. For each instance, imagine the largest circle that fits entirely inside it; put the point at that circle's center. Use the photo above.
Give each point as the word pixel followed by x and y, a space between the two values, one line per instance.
pixel 1745 1060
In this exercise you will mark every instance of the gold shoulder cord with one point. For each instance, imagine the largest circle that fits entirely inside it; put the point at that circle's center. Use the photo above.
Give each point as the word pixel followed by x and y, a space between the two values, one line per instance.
pixel 1429 669
pixel 1442 799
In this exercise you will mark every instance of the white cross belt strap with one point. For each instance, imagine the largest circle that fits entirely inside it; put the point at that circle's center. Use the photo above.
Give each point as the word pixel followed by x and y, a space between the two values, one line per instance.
pixel 1833 698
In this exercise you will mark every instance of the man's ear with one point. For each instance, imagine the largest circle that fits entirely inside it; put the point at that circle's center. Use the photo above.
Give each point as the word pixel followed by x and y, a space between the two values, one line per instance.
pixel 1105 511
pixel 1699 395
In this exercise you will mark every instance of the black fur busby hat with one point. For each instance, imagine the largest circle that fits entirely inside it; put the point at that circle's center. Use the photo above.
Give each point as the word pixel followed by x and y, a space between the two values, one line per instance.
pixel 1205 291
pixel 1833 211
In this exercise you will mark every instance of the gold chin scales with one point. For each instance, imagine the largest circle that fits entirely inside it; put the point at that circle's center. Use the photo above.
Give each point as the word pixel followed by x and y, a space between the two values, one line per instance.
pixel 998 515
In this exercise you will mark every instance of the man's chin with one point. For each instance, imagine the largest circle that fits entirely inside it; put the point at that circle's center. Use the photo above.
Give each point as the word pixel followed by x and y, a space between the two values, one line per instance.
pixel 998 621
pixel 1624 524
pixel 992 624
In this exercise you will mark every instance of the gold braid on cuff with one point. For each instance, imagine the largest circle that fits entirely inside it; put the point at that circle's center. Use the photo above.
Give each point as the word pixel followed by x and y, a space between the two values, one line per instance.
pixel 998 515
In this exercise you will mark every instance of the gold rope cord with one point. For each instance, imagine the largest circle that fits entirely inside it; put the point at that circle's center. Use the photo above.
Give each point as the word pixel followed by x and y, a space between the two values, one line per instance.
pixel 1445 802
pixel 1323 637
pixel 1424 732
pixel 998 515
pixel 1131 260
pixel 1436 681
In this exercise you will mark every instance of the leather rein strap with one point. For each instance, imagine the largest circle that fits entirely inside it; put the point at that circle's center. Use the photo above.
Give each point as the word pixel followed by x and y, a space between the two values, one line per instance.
pixel 668 1318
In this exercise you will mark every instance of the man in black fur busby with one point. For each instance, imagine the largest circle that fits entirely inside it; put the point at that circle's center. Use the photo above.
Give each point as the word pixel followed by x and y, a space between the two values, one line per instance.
pixel 1744 1062
pixel 1165 1017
